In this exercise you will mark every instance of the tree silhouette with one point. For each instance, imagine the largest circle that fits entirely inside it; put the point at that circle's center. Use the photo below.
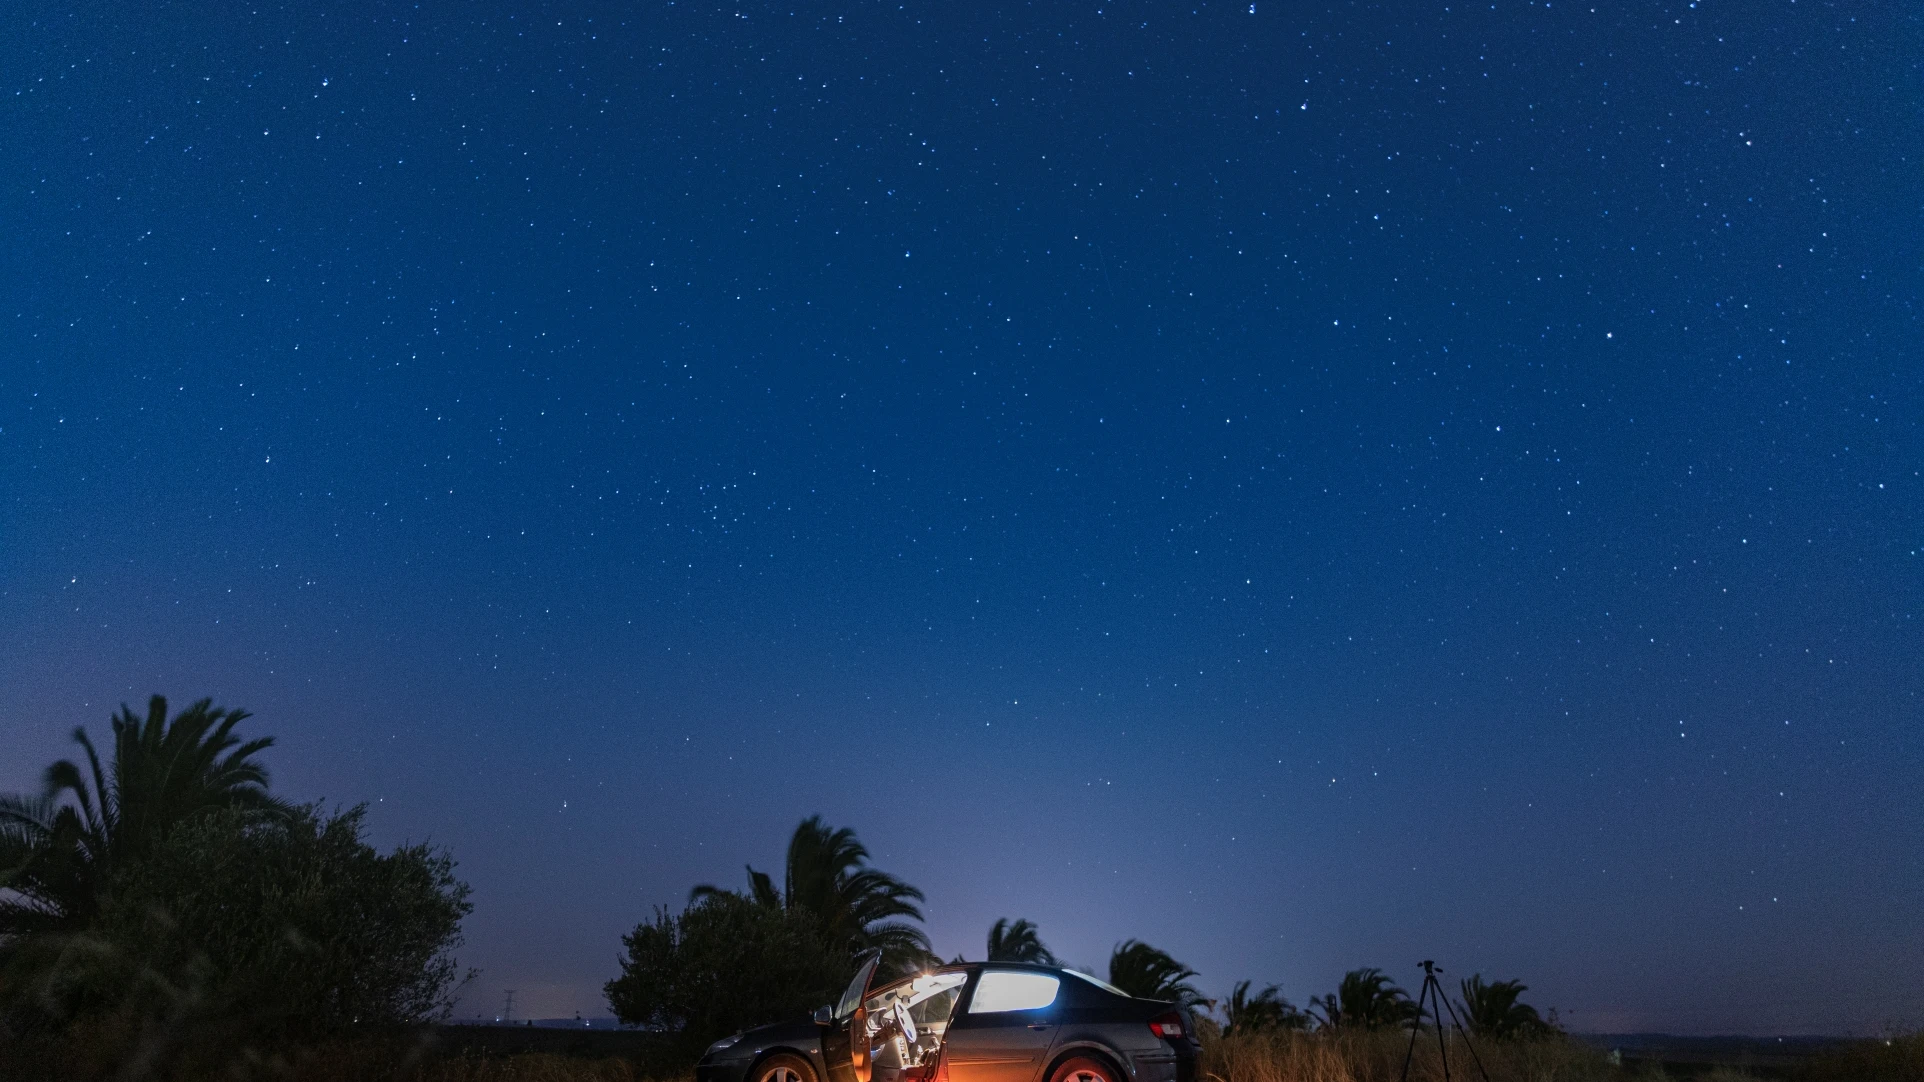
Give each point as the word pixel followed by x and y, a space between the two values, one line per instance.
pixel 1016 941
pixel 1147 973
pixel 1491 1010
pixel 827 875
pixel 725 963
pixel 1266 1011
pixel 58 850
pixel 1365 1000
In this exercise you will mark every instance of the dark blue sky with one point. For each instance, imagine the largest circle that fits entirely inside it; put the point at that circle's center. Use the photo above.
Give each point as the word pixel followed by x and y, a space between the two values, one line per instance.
pixel 1309 486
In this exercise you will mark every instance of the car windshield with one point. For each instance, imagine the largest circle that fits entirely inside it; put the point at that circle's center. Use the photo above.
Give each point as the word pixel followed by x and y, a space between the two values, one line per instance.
pixel 1098 982
pixel 852 998
pixel 929 998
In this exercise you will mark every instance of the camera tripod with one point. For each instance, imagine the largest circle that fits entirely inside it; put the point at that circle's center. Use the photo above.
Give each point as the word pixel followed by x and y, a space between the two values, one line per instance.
pixel 1433 994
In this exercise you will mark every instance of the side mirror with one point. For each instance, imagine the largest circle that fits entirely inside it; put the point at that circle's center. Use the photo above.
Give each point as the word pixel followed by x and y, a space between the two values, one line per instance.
pixel 824 1015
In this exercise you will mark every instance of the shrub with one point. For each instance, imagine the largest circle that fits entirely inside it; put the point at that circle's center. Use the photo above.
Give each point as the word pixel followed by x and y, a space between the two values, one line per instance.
pixel 237 932
pixel 1358 1055
pixel 1898 1058
pixel 725 963
pixel 295 919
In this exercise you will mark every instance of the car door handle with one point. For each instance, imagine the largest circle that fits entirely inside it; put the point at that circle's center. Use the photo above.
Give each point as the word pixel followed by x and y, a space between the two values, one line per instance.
pixel 1041 1025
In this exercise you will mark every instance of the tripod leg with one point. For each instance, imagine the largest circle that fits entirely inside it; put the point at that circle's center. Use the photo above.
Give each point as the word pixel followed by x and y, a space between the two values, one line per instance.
pixel 1467 1043
pixel 1410 1053
pixel 1436 1000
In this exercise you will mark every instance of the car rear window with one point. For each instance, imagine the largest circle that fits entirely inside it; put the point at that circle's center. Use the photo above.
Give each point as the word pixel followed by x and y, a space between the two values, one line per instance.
pixel 1013 990
pixel 1098 982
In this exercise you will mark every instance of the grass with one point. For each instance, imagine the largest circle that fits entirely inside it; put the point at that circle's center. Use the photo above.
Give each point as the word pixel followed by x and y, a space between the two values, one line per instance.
pixel 1274 1057
pixel 430 1061
pixel 518 1067
pixel 1894 1059
pixel 402 1058
pixel 1378 1057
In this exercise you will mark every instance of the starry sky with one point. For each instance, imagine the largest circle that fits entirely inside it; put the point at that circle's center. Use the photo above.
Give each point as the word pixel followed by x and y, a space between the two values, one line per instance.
pixel 1309 485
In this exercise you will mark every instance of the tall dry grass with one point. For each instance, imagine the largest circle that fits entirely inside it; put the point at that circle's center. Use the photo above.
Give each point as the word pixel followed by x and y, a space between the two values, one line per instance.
pixel 1378 1057
pixel 528 1067
pixel 1278 1057
pixel 1898 1058
pixel 371 1063
pixel 367 1060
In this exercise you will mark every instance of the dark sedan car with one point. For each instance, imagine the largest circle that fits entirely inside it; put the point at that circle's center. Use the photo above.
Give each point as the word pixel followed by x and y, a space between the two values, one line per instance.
pixel 974 1022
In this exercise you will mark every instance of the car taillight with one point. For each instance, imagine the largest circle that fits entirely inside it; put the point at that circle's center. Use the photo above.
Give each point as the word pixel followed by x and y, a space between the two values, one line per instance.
pixel 1166 1025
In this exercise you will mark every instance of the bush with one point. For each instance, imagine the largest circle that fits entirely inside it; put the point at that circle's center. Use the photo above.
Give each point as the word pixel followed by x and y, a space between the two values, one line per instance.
pixel 1377 1056
pixel 296 919
pixel 726 963
pixel 238 931
pixel 1898 1058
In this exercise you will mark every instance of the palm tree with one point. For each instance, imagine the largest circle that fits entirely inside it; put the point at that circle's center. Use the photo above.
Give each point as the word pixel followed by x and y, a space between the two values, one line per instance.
pixel 1266 1010
pixel 1017 942
pixel 827 874
pixel 1365 1000
pixel 48 881
pixel 1147 973
pixel 58 851
pixel 1491 1010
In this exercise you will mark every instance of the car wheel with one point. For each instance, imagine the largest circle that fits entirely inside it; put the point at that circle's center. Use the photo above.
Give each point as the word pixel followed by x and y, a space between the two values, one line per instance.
pixel 785 1068
pixel 1083 1069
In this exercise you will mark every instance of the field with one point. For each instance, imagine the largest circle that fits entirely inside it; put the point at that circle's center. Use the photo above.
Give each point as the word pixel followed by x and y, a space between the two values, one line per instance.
pixel 1378 1057
pixel 478 1054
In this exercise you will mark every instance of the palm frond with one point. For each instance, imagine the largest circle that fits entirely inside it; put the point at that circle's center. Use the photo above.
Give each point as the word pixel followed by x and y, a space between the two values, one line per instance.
pixel 1017 941
pixel 1492 1009
pixel 58 851
pixel 1366 999
pixel 1147 973
pixel 762 888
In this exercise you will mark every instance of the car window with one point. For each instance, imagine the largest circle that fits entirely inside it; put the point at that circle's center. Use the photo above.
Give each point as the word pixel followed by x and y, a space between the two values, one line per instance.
pixel 930 998
pixel 937 1008
pixel 1013 990
pixel 1098 982
pixel 852 997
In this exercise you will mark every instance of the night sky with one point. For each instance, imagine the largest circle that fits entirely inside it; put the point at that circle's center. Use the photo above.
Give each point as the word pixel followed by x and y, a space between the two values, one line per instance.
pixel 1309 486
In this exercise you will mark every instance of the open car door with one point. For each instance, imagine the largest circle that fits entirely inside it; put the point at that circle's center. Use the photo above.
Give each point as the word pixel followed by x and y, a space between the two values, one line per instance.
pixel 845 1039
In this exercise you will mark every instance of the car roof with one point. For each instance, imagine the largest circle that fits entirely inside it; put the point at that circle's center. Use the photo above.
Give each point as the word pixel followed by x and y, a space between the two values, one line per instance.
pixel 970 967
pixel 1001 965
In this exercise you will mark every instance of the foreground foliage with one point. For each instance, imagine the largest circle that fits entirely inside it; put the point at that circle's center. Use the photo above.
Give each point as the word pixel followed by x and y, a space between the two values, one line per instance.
pixel 59 851
pixel 161 911
pixel 1366 1000
pixel 1017 941
pixel 1264 1012
pixel 736 959
pixel 1491 1009
pixel 236 933
pixel 1359 1055
pixel 1899 1058
pixel 725 963
pixel 296 918
pixel 827 878
pixel 422 1055
pixel 1147 973
pixel 457 1054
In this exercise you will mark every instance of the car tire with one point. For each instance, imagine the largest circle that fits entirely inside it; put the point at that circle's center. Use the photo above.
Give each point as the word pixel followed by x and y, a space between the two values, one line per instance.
pixel 1083 1069
pixel 783 1067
